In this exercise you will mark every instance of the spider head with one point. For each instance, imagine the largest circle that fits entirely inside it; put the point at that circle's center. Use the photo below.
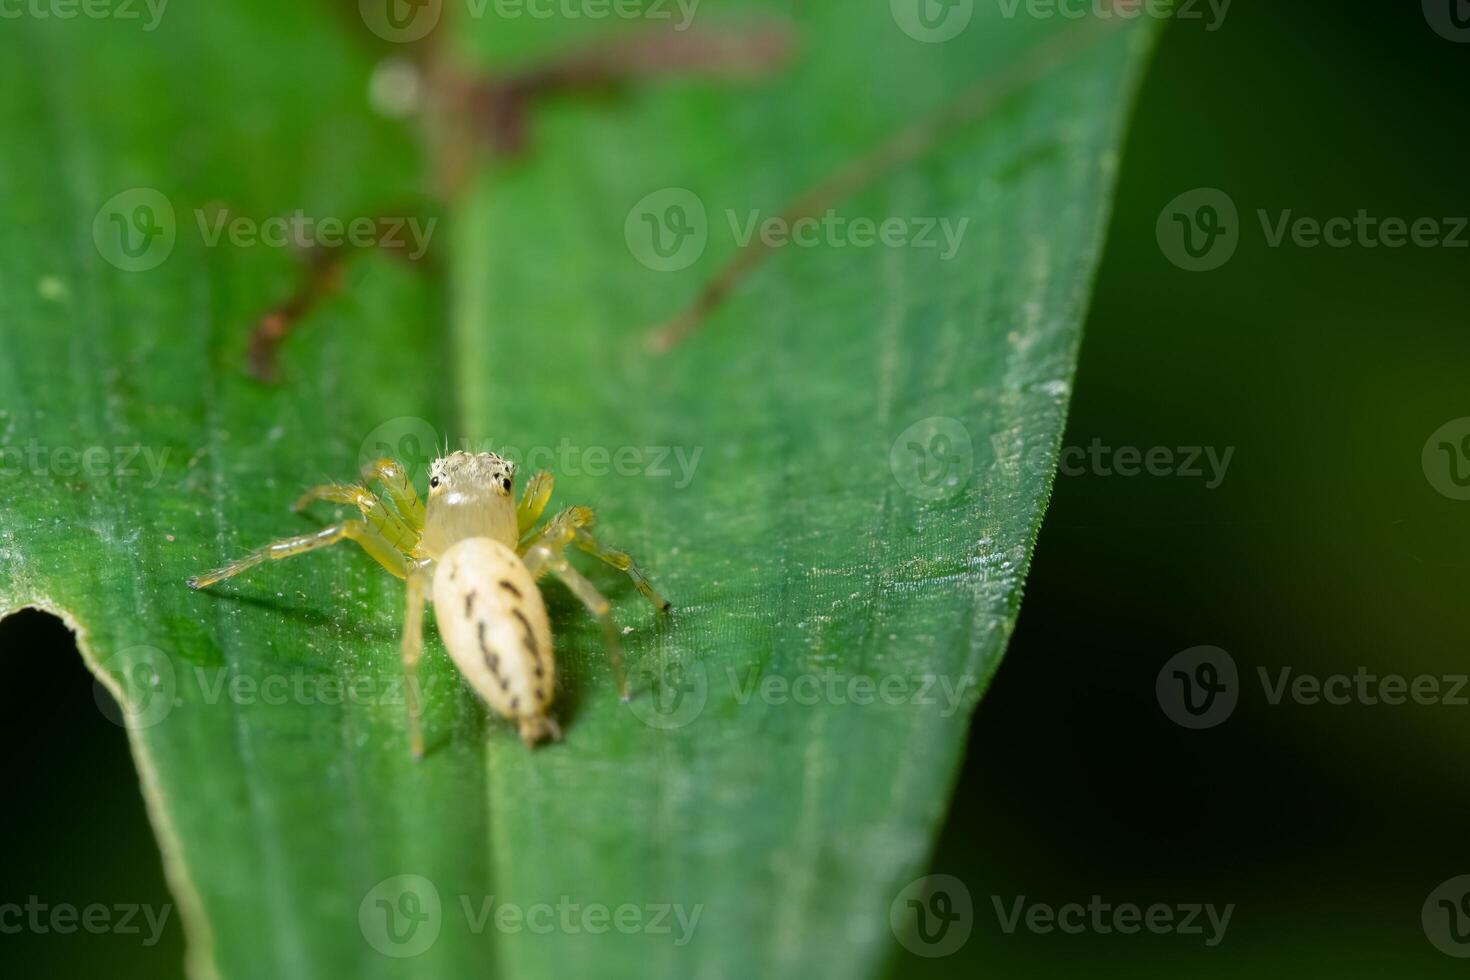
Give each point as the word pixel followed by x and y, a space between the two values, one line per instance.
pixel 470 496
pixel 460 476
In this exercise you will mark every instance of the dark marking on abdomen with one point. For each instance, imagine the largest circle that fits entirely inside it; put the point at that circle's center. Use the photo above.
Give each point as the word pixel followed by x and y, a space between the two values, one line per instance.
pixel 528 636
pixel 492 659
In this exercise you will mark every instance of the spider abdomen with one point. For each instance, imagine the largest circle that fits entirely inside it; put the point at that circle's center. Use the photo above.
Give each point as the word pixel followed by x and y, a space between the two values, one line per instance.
pixel 493 622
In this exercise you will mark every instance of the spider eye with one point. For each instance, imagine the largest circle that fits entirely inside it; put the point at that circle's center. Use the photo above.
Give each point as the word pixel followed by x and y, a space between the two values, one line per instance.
pixel 434 482
pixel 505 483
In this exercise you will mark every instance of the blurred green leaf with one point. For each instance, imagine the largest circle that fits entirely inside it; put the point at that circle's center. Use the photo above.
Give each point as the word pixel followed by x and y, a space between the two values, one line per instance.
pixel 837 478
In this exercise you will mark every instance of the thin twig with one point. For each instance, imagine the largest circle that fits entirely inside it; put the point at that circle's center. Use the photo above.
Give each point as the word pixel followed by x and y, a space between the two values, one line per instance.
pixel 909 144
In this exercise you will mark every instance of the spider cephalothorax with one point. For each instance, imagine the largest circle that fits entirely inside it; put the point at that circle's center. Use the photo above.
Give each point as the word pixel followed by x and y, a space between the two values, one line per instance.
pixel 469 497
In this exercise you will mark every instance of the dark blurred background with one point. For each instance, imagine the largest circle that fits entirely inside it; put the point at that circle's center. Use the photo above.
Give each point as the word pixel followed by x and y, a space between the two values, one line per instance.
pixel 1325 548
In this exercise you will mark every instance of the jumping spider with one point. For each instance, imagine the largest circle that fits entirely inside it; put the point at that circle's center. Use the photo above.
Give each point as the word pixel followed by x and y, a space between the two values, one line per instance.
pixel 477 554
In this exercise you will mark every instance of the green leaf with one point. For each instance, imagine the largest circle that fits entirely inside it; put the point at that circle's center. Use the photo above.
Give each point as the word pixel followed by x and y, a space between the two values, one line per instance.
pixel 837 477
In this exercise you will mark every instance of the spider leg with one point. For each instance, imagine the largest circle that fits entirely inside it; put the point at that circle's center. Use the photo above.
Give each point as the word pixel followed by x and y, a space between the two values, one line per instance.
pixel 623 562
pixel 557 532
pixel 394 478
pixel 571 527
pixel 547 557
pixel 364 534
pixel 419 578
pixel 374 511
pixel 533 501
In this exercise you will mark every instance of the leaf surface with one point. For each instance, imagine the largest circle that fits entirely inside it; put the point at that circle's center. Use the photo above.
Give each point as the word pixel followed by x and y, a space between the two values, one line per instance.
pixel 837 477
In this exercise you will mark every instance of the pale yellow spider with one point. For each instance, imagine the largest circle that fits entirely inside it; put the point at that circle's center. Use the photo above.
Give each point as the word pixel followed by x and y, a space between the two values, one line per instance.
pixel 478 555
